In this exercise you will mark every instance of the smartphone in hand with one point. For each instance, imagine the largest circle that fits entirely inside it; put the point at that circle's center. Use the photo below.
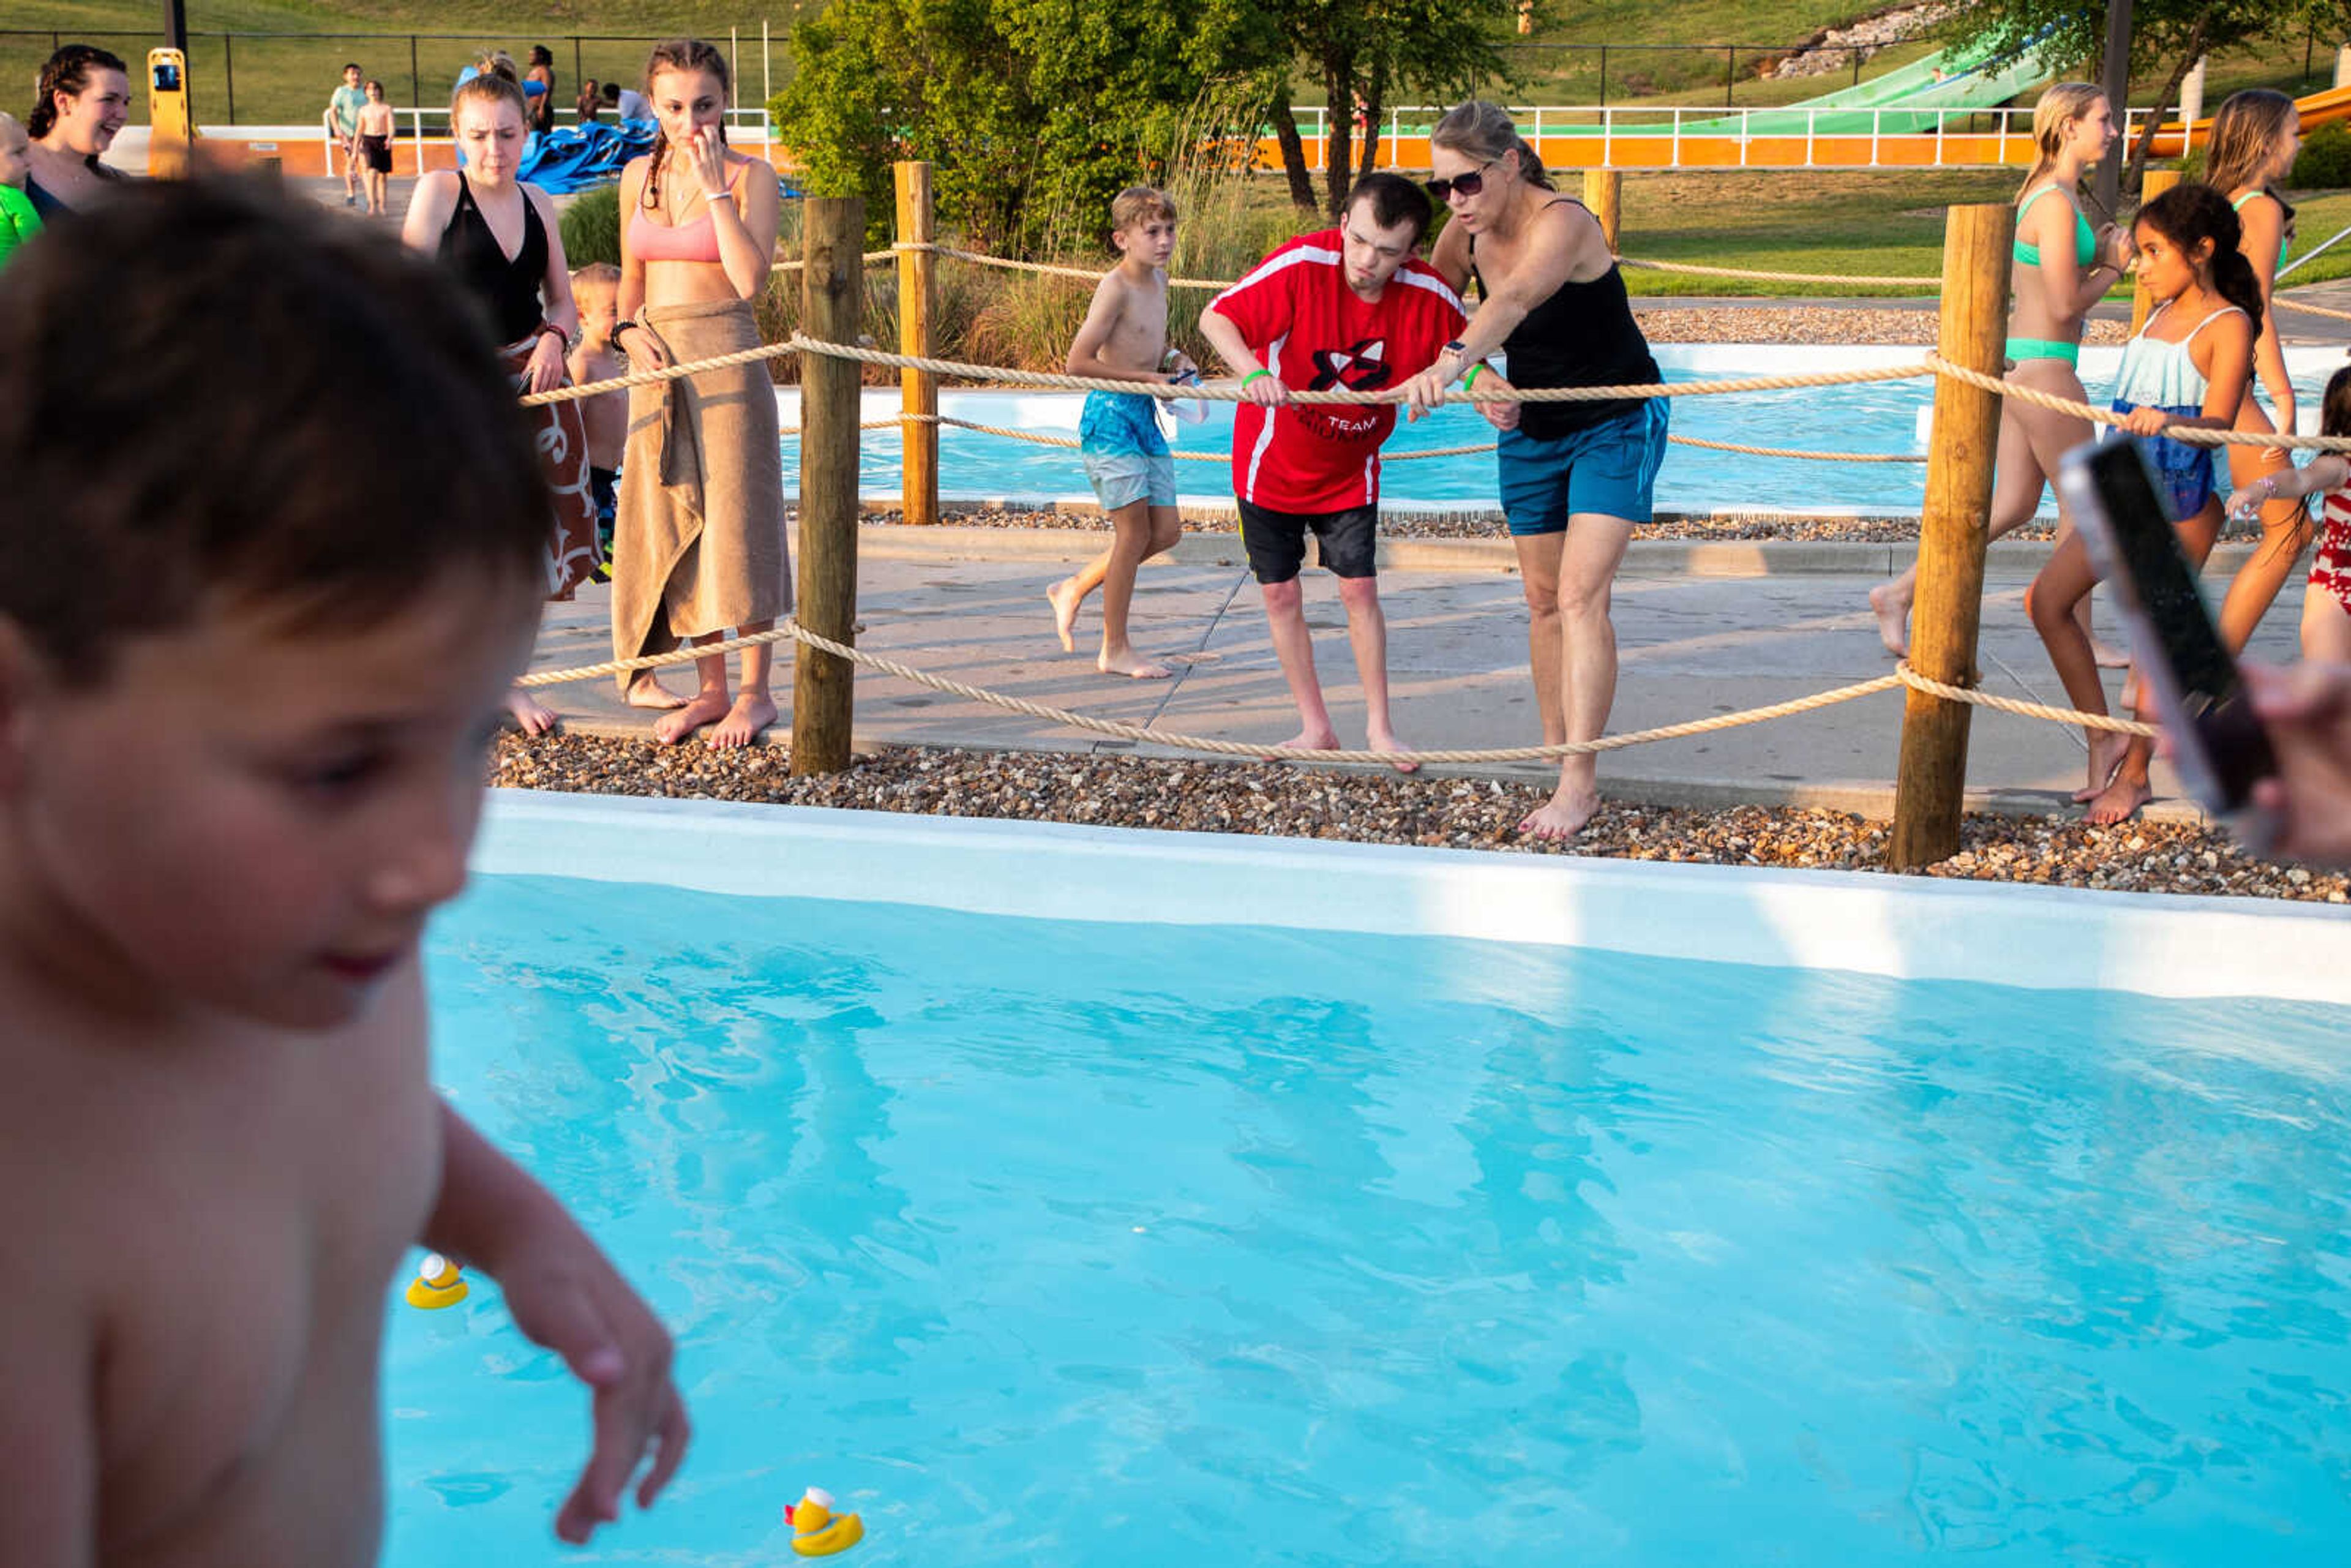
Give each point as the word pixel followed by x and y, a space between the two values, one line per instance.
pixel 2218 746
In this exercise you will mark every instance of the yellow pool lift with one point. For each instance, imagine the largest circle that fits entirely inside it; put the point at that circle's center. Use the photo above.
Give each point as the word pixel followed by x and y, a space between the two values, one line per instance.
pixel 171 127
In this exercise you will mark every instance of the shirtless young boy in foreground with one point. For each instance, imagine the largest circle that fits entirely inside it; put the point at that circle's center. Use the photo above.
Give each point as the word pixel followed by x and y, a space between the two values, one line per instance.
pixel 242 750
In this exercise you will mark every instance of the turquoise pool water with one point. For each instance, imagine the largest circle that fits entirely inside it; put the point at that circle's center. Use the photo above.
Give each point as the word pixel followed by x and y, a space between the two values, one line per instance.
pixel 1879 417
pixel 1048 1243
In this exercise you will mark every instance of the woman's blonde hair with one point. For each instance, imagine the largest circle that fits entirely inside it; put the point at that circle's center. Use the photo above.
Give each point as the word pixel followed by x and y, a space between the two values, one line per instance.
pixel 2053 113
pixel 2246 132
pixel 1486 132
pixel 489 87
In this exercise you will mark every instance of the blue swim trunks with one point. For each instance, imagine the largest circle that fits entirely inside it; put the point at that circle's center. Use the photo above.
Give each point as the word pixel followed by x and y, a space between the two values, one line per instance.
pixel 1610 468
pixel 1125 456
pixel 2184 474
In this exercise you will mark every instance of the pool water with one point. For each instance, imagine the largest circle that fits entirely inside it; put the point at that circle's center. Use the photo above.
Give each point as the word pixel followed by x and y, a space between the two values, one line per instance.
pixel 1115 1244
pixel 1873 417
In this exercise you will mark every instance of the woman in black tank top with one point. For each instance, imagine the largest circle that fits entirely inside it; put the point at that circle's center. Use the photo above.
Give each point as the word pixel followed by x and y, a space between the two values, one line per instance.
pixel 525 294
pixel 1554 304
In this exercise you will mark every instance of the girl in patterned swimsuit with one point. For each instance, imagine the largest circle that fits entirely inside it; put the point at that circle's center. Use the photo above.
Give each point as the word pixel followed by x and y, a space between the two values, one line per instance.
pixel 2326 600
pixel 2188 368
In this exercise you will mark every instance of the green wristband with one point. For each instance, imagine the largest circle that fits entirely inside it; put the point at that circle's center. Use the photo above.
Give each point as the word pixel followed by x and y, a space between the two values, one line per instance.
pixel 1253 375
pixel 1471 379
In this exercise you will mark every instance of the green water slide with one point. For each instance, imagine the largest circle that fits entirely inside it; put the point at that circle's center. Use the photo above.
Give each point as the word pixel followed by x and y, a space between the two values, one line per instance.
pixel 1904 101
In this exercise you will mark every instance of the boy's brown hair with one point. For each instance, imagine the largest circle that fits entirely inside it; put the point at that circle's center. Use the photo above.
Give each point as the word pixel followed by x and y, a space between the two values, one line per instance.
pixel 1137 204
pixel 602 274
pixel 209 394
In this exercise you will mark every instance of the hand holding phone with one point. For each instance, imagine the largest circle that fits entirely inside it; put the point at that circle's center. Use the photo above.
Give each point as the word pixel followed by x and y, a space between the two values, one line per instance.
pixel 2222 753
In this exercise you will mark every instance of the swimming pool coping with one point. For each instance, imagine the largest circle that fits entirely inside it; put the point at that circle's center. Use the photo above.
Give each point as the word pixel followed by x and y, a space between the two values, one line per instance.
pixel 1867 922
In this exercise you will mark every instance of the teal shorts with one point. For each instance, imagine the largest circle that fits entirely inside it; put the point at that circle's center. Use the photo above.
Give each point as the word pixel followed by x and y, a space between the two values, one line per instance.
pixel 1125 456
pixel 1610 468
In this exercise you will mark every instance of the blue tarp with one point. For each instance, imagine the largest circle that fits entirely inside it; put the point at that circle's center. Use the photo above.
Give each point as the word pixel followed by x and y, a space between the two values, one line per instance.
pixel 582 157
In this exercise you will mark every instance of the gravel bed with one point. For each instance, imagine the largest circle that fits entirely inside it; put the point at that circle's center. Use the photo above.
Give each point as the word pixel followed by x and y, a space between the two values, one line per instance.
pixel 1667 323
pixel 1284 801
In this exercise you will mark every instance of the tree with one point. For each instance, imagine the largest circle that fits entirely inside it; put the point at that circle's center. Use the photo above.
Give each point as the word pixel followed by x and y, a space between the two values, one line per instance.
pixel 2168 36
pixel 1031 110
pixel 1364 50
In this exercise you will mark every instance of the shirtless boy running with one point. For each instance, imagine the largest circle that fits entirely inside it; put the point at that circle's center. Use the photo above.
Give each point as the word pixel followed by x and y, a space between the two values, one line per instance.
pixel 242 751
pixel 1124 338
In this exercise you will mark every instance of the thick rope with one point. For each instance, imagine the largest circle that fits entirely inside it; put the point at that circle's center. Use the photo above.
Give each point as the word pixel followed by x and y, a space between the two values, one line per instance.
pixel 1092 276
pixel 1231 392
pixel 664 373
pixel 1875 280
pixel 2283 302
pixel 1903 675
pixel 1916 682
pixel 2191 436
pixel 868 259
pixel 1797 451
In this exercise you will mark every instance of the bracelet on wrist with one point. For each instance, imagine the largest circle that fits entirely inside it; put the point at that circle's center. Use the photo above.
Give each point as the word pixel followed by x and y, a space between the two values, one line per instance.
pixel 1253 375
pixel 1471 379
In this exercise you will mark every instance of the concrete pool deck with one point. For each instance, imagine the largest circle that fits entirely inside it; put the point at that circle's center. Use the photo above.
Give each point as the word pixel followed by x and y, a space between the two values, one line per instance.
pixel 1701 628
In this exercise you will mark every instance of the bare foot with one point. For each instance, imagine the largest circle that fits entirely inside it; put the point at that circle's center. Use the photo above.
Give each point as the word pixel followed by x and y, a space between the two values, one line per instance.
pixel 1127 661
pixel 1385 740
pixel 707 707
pixel 1309 740
pixel 2108 656
pixel 1562 816
pixel 1064 597
pixel 2120 801
pixel 752 712
pixel 646 690
pixel 1893 612
pixel 2106 749
pixel 535 716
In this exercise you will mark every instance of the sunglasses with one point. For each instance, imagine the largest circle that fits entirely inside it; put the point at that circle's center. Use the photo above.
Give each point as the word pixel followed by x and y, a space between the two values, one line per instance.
pixel 1468 185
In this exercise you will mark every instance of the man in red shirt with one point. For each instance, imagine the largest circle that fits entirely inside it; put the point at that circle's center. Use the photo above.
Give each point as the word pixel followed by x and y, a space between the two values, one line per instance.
pixel 1348 307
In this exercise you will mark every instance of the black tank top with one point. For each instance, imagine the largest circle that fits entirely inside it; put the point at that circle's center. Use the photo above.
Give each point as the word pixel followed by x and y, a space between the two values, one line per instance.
pixel 1582 336
pixel 507 289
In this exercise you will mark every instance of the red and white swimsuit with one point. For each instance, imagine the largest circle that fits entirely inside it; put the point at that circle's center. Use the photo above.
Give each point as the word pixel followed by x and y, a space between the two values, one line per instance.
pixel 2332 569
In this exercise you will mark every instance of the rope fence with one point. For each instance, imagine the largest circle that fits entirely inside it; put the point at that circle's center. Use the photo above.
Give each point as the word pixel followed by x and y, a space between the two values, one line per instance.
pixel 1216 746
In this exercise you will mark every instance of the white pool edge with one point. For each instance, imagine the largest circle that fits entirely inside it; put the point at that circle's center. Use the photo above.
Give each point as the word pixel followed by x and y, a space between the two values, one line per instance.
pixel 1904 927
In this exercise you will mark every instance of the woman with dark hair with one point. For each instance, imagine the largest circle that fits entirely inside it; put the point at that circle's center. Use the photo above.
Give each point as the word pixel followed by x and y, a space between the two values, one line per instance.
pixel 539 89
pixel 81 103
pixel 1576 477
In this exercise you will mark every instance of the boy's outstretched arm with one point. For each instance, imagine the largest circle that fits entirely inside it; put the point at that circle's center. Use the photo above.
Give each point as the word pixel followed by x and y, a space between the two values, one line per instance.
pixel 565 1294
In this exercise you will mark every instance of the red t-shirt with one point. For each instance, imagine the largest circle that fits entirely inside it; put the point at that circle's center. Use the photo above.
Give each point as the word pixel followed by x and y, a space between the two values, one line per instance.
pixel 1316 333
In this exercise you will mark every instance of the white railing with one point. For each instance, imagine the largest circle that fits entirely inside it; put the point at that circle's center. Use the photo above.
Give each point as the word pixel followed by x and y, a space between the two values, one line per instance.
pixel 1800 136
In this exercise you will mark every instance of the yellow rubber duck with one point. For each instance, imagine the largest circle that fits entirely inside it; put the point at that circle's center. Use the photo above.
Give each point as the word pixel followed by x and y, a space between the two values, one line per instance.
pixel 816 1530
pixel 439 1283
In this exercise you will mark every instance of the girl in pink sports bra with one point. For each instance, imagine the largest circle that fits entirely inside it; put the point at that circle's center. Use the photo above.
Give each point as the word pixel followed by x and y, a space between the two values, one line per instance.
pixel 698 540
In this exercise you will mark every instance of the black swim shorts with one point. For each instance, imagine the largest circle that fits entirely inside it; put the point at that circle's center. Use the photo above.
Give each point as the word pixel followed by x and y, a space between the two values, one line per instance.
pixel 1275 541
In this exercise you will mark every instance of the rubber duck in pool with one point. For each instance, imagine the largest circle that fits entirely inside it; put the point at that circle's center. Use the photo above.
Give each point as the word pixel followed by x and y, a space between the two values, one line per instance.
pixel 816 1530
pixel 438 1284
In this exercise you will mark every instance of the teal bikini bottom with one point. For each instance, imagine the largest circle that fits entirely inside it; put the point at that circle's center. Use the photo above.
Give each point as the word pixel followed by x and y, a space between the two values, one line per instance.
pixel 2023 348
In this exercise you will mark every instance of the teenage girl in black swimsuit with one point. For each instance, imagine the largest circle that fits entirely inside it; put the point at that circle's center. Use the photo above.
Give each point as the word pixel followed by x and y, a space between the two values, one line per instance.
pixel 499 236
pixel 1575 476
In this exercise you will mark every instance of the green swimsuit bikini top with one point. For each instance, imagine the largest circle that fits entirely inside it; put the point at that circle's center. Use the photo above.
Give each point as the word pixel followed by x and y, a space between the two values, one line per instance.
pixel 2086 243
pixel 2285 246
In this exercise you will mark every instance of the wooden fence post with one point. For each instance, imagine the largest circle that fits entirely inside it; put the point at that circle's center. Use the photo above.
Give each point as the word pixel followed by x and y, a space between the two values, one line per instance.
pixel 2153 184
pixel 918 390
pixel 1602 191
pixel 1932 780
pixel 832 285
